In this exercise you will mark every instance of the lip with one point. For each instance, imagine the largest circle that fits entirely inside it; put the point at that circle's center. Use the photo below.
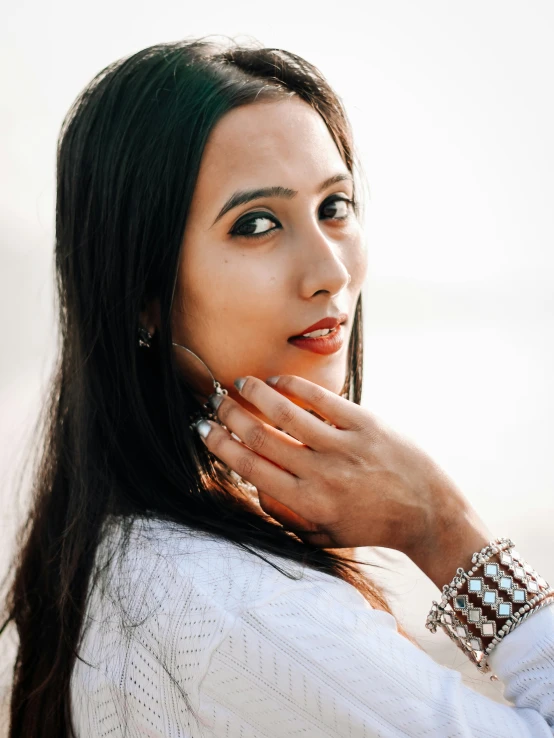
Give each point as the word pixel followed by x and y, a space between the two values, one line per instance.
pixel 324 344
pixel 329 322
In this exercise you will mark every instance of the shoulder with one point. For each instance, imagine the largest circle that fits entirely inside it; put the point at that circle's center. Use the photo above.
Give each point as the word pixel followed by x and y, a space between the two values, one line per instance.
pixel 164 591
pixel 168 608
pixel 164 560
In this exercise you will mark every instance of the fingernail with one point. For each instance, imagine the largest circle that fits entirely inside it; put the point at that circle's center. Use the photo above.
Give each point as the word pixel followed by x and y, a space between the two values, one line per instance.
pixel 203 427
pixel 272 380
pixel 239 383
pixel 215 400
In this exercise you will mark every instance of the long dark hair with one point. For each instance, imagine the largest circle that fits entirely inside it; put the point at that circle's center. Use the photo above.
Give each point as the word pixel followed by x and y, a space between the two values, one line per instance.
pixel 114 435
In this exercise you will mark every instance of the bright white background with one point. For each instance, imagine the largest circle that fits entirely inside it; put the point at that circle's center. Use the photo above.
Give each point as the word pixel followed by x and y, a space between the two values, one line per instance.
pixel 453 113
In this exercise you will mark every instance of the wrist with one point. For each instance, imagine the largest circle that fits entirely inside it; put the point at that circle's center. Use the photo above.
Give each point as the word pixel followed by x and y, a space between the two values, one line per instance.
pixel 457 538
pixel 480 607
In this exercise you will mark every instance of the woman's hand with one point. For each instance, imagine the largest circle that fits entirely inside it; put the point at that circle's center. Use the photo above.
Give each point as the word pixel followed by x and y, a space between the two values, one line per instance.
pixel 353 483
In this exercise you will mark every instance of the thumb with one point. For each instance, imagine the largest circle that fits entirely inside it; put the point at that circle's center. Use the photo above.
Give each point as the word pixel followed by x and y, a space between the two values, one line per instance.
pixel 291 521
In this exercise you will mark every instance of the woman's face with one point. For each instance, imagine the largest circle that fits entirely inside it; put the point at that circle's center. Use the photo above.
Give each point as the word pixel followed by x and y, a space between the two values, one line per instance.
pixel 240 297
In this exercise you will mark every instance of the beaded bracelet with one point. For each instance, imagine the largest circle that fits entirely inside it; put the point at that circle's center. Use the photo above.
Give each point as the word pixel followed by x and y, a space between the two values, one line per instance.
pixel 516 584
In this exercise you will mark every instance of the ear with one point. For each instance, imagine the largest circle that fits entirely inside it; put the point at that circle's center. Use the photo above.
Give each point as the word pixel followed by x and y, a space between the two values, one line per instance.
pixel 150 316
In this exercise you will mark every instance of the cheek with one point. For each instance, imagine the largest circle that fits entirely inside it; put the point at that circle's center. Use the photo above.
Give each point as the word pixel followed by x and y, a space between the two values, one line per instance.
pixel 242 286
pixel 229 292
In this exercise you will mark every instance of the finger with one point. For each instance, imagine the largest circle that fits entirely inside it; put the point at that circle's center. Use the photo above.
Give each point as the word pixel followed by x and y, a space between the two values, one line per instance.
pixel 281 513
pixel 277 482
pixel 305 530
pixel 284 515
pixel 269 442
pixel 337 410
pixel 285 414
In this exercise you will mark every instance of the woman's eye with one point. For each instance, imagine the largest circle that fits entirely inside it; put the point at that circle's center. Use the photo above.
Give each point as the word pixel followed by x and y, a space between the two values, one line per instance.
pixel 255 226
pixel 343 209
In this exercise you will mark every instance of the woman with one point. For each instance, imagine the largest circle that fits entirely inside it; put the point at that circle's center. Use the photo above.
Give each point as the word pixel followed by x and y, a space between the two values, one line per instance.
pixel 186 577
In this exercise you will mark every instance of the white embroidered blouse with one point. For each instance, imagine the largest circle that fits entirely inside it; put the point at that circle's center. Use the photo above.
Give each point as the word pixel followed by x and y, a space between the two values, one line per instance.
pixel 192 636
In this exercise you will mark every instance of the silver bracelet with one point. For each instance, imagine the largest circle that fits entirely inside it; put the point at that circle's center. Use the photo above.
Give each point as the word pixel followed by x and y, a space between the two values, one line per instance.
pixel 515 583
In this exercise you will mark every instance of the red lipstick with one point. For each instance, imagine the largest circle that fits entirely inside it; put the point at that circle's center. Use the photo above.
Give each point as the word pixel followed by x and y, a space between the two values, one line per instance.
pixel 328 344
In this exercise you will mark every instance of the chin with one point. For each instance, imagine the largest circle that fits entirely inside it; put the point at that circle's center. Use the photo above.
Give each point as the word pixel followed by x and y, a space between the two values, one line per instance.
pixel 331 379
pixel 333 384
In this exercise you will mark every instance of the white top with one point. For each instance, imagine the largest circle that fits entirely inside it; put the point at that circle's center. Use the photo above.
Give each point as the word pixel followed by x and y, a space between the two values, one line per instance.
pixel 253 653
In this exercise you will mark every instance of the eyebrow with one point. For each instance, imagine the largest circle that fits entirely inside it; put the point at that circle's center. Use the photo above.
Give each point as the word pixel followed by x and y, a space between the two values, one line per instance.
pixel 241 197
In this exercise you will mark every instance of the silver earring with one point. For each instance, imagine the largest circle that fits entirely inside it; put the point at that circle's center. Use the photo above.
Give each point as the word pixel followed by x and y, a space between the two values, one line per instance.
pixel 207 411
pixel 145 337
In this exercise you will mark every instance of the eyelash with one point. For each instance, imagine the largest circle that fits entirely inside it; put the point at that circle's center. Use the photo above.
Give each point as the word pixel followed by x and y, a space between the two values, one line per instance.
pixel 256 216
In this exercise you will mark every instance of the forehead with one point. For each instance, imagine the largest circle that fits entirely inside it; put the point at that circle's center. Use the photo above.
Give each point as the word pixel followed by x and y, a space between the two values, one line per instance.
pixel 283 142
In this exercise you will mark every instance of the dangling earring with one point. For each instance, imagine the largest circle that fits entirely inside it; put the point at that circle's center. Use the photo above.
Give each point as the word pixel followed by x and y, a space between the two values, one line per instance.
pixel 210 413
pixel 145 338
pixel 207 411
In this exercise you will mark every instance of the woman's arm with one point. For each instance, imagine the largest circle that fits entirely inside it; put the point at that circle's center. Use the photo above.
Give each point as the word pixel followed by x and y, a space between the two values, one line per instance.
pixel 318 661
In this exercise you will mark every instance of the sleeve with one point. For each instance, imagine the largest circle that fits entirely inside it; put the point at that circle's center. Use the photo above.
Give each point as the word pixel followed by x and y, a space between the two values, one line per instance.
pixel 318 661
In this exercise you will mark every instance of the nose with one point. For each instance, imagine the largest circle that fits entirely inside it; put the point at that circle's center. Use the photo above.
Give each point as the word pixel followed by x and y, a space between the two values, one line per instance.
pixel 323 268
